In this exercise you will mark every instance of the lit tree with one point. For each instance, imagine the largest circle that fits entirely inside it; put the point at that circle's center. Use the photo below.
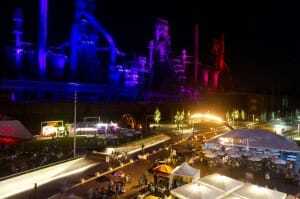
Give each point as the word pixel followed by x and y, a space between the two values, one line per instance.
pixel 297 114
pixel 263 116
pixel 233 115
pixel 182 116
pixel 188 116
pixel 273 115
pixel 179 118
pixel 236 114
pixel 227 116
pixel 157 116
pixel 243 114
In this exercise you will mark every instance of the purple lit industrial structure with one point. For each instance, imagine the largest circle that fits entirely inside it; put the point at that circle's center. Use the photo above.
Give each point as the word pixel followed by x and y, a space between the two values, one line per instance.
pixel 43 32
pixel 18 32
pixel 91 58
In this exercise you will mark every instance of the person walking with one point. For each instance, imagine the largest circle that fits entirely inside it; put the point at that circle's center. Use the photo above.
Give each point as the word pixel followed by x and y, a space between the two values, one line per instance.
pixel 267 179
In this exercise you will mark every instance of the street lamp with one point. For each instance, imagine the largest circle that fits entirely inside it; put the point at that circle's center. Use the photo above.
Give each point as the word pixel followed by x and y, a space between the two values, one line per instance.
pixel 193 128
pixel 75 123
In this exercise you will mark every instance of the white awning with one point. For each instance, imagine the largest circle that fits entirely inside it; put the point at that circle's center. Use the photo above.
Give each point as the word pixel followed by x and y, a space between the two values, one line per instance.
pixel 250 191
pixel 216 186
pixel 221 182
pixel 185 170
pixel 196 191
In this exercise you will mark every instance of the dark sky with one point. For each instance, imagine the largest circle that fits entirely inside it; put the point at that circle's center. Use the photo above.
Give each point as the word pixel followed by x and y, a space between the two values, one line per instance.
pixel 262 38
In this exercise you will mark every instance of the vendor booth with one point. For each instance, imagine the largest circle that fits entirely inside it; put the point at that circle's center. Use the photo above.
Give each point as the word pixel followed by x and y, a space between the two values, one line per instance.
pixel 184 174
pixel 217 186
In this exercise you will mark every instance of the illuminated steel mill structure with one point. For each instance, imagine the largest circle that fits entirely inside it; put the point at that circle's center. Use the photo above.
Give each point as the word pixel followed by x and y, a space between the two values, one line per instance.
pixel 91 58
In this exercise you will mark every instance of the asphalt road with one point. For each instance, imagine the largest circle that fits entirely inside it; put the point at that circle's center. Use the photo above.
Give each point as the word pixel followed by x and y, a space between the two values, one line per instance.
pixel 141 166
pixel 50 188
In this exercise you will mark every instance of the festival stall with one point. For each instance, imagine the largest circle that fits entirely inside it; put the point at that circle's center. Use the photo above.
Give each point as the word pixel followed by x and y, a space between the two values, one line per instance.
pixel 216 186
pixel 185 173
pixel 221 182
pixel 196 191
pixel 249 191
pixel 257 143
pixel 161 174
pixel 163 169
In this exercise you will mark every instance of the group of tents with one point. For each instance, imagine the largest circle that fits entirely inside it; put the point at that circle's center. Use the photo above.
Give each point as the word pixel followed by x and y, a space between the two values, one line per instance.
pixel 212 186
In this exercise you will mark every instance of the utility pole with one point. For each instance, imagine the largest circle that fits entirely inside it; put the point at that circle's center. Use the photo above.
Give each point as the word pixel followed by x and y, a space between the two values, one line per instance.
pixel 75 123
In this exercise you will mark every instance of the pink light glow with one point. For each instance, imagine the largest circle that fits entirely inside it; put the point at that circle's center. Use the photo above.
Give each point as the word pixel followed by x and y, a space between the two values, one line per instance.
pixel 7 140
pixel 215 78
pixel 205 78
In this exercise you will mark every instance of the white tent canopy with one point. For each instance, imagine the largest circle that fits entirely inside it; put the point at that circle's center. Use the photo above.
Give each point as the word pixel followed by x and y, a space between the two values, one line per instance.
pixel 185 170
pixel 196 191
pixel 221 182
pixel 216 186
pixel 260 140
pixel 251 191
pixel 232 197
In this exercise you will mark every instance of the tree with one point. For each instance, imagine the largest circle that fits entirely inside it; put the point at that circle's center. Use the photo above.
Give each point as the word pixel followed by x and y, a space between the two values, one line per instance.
pixel 188 117
pixel 182 116
pixel 243 114
pixel 227 117
pixel 179 119
pixel 236 114
pixel 157 116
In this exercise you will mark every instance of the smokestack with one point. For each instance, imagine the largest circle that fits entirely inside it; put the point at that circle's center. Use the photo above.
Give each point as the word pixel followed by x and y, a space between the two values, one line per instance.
pixel 18 21
pixel 196 54
pixel 221 63
pixel 205 78
pixel 42 43
pixel 215 79
pixel 151 48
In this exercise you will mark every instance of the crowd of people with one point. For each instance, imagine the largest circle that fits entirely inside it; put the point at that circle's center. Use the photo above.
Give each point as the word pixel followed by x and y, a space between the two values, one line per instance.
pixel 267 171
pixel 111 186
pixel 37 153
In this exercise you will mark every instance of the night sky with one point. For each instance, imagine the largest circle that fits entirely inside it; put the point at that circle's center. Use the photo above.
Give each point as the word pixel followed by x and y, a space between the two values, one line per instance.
pixel 261 38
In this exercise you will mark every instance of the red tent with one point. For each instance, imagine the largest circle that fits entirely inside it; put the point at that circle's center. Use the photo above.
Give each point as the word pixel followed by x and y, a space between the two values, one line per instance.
pixel 13 131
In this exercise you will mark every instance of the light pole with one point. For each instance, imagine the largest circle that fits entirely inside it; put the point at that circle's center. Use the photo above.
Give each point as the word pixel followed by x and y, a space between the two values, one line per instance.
pixel 193 128
pixel 75 123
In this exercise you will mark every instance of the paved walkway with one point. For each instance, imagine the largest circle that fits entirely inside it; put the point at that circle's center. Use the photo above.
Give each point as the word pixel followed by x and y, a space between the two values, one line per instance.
pixel 25 182
pixel 135 171
pixel 135 146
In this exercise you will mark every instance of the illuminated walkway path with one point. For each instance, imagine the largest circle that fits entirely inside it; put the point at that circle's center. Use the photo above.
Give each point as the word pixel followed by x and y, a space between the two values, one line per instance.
pixel 25 182
pixel 136 146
